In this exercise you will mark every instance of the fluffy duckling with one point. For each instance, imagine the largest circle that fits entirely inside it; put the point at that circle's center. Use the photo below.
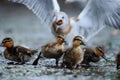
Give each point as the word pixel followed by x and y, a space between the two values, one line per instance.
pixel 16 53
pixel 52 50
pixel 74 55
pixel 118 61
pixel 93 55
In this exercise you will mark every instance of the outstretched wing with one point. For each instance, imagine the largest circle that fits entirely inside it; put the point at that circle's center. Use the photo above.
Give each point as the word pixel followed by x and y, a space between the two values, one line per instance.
pixel 97 14
pixel 44 9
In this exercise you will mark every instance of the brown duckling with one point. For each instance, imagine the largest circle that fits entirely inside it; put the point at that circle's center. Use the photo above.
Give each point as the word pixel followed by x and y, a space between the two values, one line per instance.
pixel 118 61
pixel 16 53
pixel 93 55
pixel 52 50
pixel 74 55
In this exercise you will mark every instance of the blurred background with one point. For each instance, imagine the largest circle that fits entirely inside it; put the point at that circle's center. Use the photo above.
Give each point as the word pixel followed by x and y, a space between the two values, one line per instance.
pixel 18 22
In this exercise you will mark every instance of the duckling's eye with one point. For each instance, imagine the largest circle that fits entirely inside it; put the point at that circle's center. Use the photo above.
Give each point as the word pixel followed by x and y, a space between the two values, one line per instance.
pixel 63 17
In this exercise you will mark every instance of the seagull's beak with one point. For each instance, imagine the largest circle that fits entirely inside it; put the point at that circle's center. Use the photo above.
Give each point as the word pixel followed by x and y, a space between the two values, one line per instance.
pixel 104 57
pixel 59 22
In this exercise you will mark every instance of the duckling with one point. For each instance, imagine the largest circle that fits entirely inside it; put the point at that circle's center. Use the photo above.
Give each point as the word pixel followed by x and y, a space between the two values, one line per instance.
pixel 93 55
pixel 52 50
pixel 118 61
pixel 16 53
pixel 74 55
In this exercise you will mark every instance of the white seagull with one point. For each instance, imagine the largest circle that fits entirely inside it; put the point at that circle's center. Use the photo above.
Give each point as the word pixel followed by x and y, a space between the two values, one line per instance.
pixel 93 18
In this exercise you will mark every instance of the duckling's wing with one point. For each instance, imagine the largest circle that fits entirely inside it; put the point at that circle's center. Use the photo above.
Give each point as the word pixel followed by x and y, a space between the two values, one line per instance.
pixel 68 53
pixel 97 14
pixel 24 50
pixel 44 9
pixel 90 54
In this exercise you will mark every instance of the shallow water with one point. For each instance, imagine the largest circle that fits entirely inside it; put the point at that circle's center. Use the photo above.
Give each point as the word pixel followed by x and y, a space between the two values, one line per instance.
pixel 24 27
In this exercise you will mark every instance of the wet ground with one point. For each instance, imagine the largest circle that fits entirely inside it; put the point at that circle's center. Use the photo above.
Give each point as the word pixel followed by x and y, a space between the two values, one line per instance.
pixel 24 27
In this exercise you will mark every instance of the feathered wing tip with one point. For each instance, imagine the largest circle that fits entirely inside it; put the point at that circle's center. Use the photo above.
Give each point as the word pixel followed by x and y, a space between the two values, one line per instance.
pixel 113 19
pixel 44 9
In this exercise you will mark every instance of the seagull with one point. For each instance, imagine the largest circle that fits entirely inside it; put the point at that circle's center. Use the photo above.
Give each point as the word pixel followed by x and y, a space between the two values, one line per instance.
pixel 43 9
pixel 96 15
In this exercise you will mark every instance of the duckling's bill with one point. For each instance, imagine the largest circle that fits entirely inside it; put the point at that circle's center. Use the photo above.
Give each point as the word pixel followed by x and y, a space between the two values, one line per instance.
pixel 66 43
pixel 104 57
pixel 1 45
pixel 83 43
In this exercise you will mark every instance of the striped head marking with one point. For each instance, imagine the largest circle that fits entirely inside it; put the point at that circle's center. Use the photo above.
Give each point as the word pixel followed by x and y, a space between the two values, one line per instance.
pixel 78 40
pixel 100 51
pixel 60 39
